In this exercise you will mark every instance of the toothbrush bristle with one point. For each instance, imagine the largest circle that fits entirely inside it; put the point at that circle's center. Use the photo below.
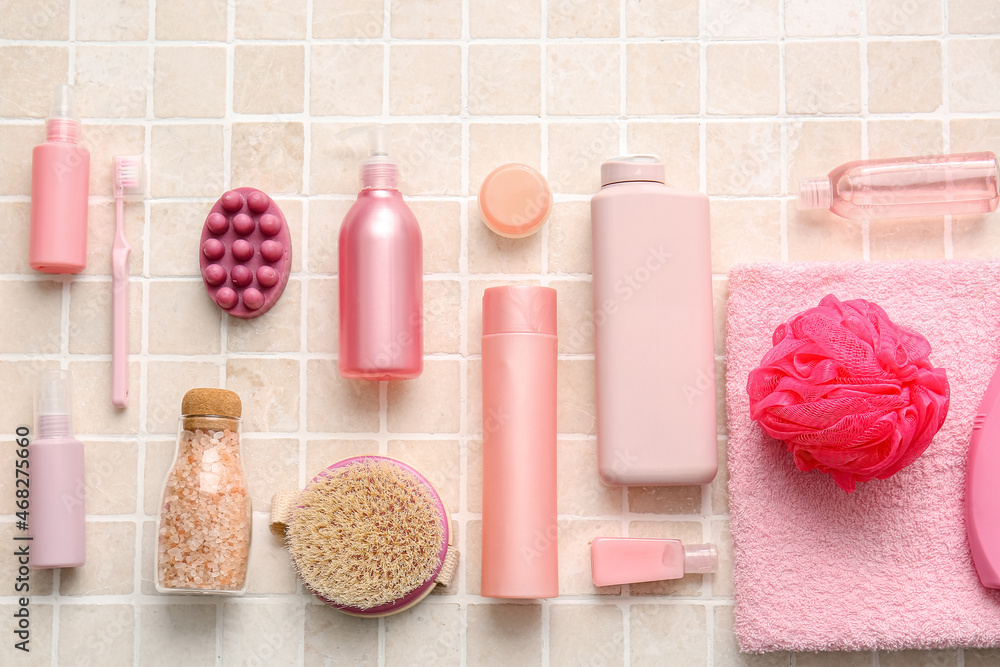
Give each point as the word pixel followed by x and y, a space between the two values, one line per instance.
pixel 129 175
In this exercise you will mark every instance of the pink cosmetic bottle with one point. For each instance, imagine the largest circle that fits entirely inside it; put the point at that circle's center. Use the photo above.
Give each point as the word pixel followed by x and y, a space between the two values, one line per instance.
pixel 520 532
pixel 60 176
pixel 653 328
pixel 631 560
pixel 56 518
pixel 960 184
pixel 381 278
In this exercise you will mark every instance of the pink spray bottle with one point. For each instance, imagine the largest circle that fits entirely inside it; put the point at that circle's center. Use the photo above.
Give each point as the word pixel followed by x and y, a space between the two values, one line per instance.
pixel 381 276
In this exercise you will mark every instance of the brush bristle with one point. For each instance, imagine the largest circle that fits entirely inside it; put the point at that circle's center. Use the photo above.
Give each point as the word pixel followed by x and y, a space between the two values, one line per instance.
pixel 129 175
pixel 367 534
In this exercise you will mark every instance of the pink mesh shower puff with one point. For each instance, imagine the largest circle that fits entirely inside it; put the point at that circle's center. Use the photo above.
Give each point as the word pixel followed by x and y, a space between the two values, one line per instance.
pixel 850 393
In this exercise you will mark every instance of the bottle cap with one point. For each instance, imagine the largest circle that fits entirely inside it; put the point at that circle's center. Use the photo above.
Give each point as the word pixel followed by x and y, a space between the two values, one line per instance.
pixel 378 170
pixel 815 193
pixel 701 558
pixel 627 168
pixel 62 123
pixel 200 403
pixel 519 309
pixel 515 200
pixel 53 403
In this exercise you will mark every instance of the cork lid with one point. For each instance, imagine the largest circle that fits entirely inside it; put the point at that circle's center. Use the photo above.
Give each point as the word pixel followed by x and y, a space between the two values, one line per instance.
pixel 199 405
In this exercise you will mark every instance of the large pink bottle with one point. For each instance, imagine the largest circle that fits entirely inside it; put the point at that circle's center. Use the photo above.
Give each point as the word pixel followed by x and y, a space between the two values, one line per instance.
pixel 959 184
pixel 520 531
pixel 60 176
pixel 653 328
pixel 381 279
pixel 57 514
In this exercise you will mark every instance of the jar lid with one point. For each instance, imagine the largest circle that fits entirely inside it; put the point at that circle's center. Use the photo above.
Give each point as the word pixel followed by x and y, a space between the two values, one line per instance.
pixel 212 401
pixel 515 200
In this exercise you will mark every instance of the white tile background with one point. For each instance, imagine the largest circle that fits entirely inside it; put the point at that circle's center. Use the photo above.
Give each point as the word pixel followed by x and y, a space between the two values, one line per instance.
pixel 741 97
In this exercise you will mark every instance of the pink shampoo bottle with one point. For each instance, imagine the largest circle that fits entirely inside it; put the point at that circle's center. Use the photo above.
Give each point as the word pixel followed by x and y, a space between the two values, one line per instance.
pixel 381 278
pixel 653 328
pixel 60 177
pixel 57 513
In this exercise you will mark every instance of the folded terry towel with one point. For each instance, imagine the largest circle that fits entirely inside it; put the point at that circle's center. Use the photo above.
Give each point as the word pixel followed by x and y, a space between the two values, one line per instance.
pixel 887 567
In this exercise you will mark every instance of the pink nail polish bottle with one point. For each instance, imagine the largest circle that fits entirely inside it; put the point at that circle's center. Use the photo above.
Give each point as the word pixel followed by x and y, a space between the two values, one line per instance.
pixel 60 177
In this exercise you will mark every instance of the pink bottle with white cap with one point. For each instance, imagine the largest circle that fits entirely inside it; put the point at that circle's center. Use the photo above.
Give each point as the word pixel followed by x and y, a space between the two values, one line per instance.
pixel 60 177
pixel 631 560
pixel 520 531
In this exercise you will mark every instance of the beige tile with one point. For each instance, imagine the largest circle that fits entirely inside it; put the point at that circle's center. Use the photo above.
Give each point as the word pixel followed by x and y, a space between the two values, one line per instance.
pixel 514 88
pixel 261 633
pixel 670 18
pixel 429 156
pixel 34 306
pixel 161 626
pixel 186 161
pixel 976 236
pixel 159 458
pixel 727 652
pixel 320 454
pixel 39 581
pixel 338 67
pixel 167 382
pixel 669 141
pixel 104 141
pixel 688 532
pixel 92 409
pixel 268 156
pixel 720 297
pixel 18 140
pixel 425 79
pixel 519 19
pixel 973 16
pixel 270 570
pixel 110 81
pixel 664 499
pixel 28 76
pixel 354 19
pixel 821 236
pixel 474 477
pixel 334 165
pixel 742 158
pixel 722 581
pixel 905 76
pixel 576 151
pixel 739 18
pixel 438 460
pixel 322 327
pixel 442 306
pixel 663 78
pixel 473 556
pixel 575 574
pixel 38 635
pixel 146 561
pixel 428 635
pixel 15 218
pixel 90 318
pixel 582 79
pixel 474 314
pixel 745 230
pixel 195 20
pixel 334 404
pixel 29 21
pixel 268 79
pixel 325 217
pixel 292 208
pixel 912 238
pixel 586 634
pixel 415 408
pixel 418 20
pixel 913 136
pixel 270 19
pixel 275 331
pixel 494 144
pixel 581 492
pixel 492 253
pixel 900 17
pixel 189 82
pixel 269 389
pixel 668 634
pixel 182 319
pixel 575 316
pixel 974 66
pixel 271 465
pixel 100 236
pixel 118 21
pixel 569 237
pixel 490 628
pixel 330 635
pixel 576 396
pixel 975 134
pixel 743 78
pixel 173 228
pixel 834 659
pixel 980 657
pixel 816 147
pixel 837 90
pixel 913 658
pixel 111 477
pixel 107 630
pixel 811 19
pixel 583 18
pixel 440 224
pixel 110 562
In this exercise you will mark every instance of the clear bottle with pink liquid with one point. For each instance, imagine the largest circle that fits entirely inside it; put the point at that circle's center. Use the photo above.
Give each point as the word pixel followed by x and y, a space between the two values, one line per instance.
pixel 959 184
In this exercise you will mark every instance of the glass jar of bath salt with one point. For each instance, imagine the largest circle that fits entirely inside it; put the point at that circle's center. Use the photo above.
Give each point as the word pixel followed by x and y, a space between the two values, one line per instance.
pixel 203 531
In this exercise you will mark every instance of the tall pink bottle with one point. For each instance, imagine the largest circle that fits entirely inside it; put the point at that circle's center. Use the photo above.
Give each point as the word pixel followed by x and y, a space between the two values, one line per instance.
pixel 381 279
pixel 959 184
pixel 60 176
pixel 653 328
pixel 57 514
pixel 520 532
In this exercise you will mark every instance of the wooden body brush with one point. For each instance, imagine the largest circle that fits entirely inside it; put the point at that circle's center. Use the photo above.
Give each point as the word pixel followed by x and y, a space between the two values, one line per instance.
pixel 369 535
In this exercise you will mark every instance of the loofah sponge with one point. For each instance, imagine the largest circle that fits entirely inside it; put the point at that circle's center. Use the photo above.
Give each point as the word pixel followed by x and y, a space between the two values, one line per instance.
pixel 850 393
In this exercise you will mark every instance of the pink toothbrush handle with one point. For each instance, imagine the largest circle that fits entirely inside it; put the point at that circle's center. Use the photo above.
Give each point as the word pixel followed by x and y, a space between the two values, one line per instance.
pixel 119 321
pixel 982 492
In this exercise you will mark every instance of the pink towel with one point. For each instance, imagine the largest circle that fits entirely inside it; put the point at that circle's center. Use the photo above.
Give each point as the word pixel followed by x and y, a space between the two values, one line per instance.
pixel 887 567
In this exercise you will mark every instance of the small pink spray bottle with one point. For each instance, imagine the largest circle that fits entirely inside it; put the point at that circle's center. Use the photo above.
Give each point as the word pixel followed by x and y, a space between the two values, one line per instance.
pixel 381 276
pixel 60 177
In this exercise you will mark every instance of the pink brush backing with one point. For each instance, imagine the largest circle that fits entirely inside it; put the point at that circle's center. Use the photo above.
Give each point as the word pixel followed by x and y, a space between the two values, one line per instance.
pixel 245 252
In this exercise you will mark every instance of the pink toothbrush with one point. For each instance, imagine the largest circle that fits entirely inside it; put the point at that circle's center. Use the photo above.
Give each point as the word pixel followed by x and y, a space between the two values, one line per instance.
pixel 128 185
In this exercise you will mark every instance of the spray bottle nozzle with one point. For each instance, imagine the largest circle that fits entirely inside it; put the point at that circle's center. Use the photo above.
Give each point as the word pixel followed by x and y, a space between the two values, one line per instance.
pixel 62 123
pixel 53 402
pixel 378 170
